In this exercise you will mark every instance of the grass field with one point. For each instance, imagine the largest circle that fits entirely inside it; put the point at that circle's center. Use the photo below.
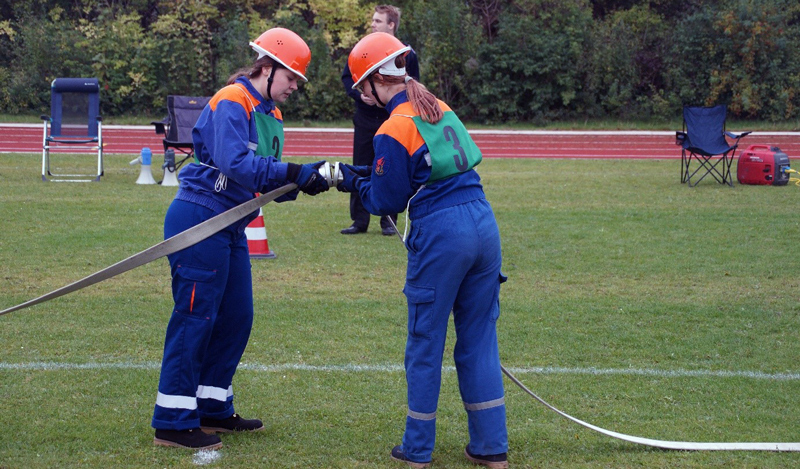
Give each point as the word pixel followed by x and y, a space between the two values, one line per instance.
pixel 633 302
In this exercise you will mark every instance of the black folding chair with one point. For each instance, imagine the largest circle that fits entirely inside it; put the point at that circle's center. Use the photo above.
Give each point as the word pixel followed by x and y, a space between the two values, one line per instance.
pixel 703 140
pixel 182 115
pixel 74 120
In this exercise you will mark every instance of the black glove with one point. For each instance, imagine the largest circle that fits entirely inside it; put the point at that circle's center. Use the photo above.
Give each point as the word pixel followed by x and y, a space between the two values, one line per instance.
pixel 307 177
pixel 350 174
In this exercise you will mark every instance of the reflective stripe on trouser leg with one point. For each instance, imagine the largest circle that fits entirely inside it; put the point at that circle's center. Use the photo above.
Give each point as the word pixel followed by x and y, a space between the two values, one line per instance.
pixel 213 393
pixel 485 405
pixel 176 402
pixel 168 401
pixel 421 416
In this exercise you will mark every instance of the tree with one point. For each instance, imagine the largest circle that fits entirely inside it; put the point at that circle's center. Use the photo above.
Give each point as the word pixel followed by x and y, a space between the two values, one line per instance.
pixel 532 70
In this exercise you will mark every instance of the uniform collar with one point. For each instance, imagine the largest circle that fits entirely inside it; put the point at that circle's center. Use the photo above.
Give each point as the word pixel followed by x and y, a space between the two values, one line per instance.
pixel 266 104
pixel 398 99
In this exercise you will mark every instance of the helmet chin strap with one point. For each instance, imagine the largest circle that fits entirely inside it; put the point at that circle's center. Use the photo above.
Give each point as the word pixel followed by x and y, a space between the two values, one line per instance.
pixel 375 92
pixel 269 80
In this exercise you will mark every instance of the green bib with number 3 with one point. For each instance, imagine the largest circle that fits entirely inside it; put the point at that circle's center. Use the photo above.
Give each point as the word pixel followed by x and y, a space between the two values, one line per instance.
pixel 452 150
pixel 270 135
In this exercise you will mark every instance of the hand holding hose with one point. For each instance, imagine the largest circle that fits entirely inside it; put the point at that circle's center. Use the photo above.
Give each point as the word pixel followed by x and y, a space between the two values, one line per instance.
pixel 350 174
pixel 307 177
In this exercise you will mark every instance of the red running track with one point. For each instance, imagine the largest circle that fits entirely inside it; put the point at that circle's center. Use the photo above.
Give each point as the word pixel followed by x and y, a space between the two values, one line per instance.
pixel 337 143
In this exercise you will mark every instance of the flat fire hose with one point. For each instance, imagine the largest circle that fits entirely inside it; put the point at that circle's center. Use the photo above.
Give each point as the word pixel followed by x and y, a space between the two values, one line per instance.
pixel 176 243
pixel 664 444
pixel 677 445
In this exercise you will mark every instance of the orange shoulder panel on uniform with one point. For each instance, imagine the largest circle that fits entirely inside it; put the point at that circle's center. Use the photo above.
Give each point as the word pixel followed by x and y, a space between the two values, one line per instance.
pixel 235 93
pixel 276 113
pixel 401 127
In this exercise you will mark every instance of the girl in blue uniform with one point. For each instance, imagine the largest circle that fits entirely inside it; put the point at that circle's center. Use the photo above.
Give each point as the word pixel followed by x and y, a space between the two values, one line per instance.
pixel 237 140
pixel 424 161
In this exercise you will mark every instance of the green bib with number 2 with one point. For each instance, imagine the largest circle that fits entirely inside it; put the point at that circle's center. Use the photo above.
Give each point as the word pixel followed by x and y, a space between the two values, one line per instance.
pixel 452 150
pixel 270 135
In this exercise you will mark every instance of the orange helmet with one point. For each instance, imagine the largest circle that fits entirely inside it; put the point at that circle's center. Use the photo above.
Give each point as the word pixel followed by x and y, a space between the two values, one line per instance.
pixel 285 47
pixel 372 52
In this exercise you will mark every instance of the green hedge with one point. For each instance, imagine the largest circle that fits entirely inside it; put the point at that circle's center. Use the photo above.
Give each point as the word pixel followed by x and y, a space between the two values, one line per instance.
pixel 493 61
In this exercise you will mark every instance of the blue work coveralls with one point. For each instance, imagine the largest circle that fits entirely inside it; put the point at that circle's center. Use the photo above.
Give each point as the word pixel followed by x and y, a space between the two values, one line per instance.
pixel 211 281
pixel 454 261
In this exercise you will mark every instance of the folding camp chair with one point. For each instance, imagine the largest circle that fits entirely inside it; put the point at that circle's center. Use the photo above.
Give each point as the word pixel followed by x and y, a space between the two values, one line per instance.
pixel 182 115
pixel 703 140
pixel 74 120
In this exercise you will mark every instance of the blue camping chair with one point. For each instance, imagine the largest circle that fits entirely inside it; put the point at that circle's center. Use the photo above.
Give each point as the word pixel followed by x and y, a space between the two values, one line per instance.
pixel 703 140
pixel 74 120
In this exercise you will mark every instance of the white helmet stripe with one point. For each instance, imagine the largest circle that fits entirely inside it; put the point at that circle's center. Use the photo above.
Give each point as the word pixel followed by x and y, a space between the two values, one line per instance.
pixel 390 69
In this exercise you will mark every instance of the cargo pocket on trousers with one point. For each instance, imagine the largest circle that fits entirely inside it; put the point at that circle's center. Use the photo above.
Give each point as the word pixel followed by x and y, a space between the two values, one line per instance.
pixel 420 309
pixel 192 290
pixel 501 279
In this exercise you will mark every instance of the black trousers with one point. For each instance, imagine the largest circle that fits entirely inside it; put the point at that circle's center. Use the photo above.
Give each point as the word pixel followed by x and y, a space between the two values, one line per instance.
pixel 364 155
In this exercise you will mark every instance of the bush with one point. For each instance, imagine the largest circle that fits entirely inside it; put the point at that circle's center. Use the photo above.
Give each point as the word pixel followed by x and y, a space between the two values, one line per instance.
pixel 45 48
pixel 532 70
pixel 491 60
pixel 745 56
pixel 625 62
pixel 445 38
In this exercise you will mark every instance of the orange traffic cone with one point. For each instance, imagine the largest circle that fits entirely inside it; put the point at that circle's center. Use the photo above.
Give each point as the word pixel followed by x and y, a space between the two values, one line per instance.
pixel 257 241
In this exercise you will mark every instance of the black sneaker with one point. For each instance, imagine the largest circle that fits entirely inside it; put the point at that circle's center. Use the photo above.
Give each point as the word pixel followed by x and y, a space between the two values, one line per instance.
pixel 234 423
pixel 388 231
pixel 397 455
pixel 193 438
pixel 493 461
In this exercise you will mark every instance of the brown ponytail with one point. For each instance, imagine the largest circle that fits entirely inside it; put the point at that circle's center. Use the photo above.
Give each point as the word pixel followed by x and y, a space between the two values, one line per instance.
pixel 252 71
pixel 422 101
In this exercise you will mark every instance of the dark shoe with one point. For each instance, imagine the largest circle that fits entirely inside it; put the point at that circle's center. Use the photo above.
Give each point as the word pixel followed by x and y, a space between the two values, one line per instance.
pixel 353 229
pixel 234 423
pixel 388 231
pixel 193 438
pixel 397 455
pixel 493 461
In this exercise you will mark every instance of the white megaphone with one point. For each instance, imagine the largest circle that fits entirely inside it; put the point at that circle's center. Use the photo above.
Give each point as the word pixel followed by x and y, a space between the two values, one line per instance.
pixel 170 173
pixel 145 175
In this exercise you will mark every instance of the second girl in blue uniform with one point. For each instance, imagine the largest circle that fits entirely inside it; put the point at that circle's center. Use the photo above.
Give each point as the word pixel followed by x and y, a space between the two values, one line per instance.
pixel 424 160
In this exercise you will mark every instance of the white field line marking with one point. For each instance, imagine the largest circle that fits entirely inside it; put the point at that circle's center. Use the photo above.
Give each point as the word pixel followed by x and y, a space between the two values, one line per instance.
pixel 391 368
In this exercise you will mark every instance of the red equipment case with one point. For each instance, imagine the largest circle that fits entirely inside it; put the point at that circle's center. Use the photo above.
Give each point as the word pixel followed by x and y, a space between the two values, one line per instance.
pixel 764 165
